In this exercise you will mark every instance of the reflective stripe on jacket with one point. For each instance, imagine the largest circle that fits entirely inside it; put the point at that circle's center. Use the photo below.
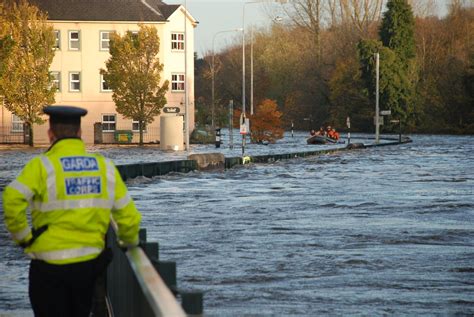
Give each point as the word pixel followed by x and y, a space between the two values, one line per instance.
pixel 73 193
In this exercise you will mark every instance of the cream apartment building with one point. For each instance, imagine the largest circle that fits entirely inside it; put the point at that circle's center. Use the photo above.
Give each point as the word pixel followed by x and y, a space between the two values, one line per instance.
pixel 82 29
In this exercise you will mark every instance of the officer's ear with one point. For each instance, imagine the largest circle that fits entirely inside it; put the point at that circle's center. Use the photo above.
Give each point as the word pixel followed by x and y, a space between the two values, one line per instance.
pixel 79 133
pixel 51 135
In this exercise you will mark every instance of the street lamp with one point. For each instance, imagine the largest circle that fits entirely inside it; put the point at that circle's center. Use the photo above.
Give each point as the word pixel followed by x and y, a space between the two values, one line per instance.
pixel 243 48
pixel 377 115
pixel 186 92
pixel 275 19
pixel 213 70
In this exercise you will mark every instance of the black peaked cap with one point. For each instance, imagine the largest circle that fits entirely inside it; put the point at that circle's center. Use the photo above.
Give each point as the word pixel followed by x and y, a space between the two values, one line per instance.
pixel 64 114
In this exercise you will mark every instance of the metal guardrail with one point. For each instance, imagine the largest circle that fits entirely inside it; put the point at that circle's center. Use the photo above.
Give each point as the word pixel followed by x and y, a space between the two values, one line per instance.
pixel 134 287
pixel 162 302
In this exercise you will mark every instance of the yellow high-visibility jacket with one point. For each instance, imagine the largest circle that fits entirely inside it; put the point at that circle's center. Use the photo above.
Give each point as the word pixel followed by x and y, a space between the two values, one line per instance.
pixel 73 193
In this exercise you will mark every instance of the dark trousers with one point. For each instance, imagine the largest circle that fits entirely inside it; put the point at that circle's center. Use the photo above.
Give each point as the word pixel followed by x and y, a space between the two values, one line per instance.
pixel 62 290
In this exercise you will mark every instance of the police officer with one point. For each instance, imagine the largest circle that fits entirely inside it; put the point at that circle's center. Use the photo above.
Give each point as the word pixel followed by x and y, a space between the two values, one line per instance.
pixel 72 195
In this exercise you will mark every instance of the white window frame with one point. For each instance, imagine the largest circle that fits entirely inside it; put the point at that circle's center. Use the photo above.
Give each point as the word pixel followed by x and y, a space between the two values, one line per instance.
pixel 102 83
pixel 71 40
pixel 177 44
pixel 135 122
pixel 176 82
pixel 104 41
pixel 74 81
pixel 56 82
pixel 17 124
pixel 57 40
pixel 114 122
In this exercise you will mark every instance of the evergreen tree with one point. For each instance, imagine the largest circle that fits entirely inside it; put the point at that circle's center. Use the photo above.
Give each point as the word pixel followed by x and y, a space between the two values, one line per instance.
pixel 394 85
pixel 397 30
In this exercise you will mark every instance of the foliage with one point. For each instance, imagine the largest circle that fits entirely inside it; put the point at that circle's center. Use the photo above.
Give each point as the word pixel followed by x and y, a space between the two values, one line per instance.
pixel 396 52
pixel 6 46
pixel 429 84
pixel 133 73
pixel 266 123
pixel 27 52
pixel 397 30
pixel 348 98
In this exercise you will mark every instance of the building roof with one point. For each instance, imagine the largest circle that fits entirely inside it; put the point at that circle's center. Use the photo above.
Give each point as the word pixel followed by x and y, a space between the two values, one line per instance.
pixel 105 10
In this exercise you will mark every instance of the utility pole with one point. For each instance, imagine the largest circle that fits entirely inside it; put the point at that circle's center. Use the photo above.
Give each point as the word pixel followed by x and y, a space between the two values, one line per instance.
pixel 377 115
pixel 186 92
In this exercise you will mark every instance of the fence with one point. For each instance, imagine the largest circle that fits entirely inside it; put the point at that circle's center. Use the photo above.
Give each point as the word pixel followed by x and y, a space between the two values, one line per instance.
pixel 13 134
pixel 125 134
pixel 134 287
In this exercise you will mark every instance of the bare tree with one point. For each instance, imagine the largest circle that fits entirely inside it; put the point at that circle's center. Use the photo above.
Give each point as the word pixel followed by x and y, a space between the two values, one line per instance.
pixel 306 14
pixel 423 8
pixel 311 16
pixel 357 13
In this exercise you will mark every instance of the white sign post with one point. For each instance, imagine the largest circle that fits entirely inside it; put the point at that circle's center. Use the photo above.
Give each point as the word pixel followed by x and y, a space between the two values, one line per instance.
pixel 348 123
pixel 244 130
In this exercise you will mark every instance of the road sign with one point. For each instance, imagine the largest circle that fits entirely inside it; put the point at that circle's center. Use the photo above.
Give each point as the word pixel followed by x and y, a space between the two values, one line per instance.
pixel 244 124
pixel 243 129
pixel 171 109
pixel 380 120
pixel 386 112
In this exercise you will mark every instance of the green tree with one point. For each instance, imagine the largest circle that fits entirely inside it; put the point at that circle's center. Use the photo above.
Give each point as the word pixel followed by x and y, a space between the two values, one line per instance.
pixel 6 46
pixel 133 73
pixel 348 98
pixel 26 81
pixel 397 30
pixel 394 86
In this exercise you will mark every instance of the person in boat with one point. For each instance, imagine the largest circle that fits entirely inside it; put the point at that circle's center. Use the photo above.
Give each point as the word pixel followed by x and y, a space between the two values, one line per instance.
pixel 312 132
pixel 321 131
pixel 333 134
pixel 328 131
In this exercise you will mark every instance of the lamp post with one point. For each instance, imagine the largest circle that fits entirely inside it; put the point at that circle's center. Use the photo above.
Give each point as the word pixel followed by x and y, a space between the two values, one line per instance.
pixel 213 71
pixel 186 101
pixel 276 19
pixel 186 92
pixel 243 51
pixel 377 118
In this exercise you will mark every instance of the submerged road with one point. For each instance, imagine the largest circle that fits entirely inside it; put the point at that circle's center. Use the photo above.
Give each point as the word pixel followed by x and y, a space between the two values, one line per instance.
pixel 378 231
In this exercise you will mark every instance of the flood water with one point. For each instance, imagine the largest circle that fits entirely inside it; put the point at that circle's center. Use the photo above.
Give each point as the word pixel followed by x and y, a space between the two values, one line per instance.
pixel 380 231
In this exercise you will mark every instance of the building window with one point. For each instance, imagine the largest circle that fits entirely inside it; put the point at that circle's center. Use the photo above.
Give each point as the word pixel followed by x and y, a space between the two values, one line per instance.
pixel 104 87
pixel 136 127
pixel 75 81
pixel 17 124
pixel 108 122
pixel 74 41
pixel 177 41
pixel 177 82
pixel 104 40
pixel 57 42
pixel 56 80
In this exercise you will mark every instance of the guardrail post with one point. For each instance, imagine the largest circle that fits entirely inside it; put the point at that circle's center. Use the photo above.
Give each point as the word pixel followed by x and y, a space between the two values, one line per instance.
pixel 142 235
pixel 192 302
pixel 167 271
